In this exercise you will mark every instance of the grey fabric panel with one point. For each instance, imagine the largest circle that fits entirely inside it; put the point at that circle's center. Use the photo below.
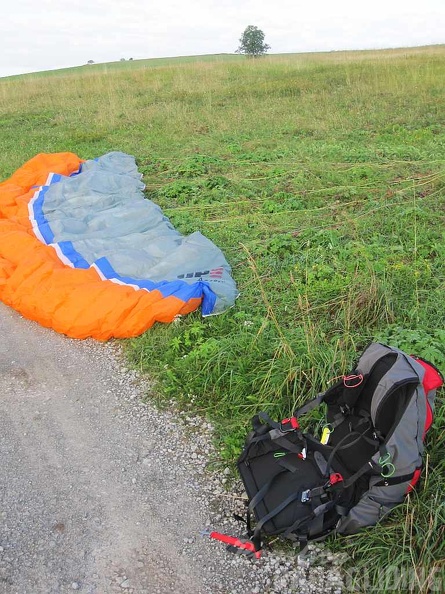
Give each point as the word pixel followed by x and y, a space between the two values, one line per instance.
pixel 372 507
pixel 421 416
pixel 431 398
pixel 403 444
pixel 367 512
pixel 421 402
pixel 401 370
pixel 406 444
pixel 114 161
pixel 103 213
pixel 390 495
pixel 371 355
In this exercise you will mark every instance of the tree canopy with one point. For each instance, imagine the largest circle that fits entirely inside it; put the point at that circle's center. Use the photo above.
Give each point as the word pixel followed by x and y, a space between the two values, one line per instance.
pixel 252 42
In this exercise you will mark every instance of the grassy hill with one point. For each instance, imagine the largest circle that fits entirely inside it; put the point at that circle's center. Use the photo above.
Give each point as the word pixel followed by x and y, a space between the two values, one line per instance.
pixel 322 178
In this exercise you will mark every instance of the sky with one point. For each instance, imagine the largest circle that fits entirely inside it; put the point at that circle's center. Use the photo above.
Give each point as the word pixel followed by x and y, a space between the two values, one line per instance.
pixel 51 34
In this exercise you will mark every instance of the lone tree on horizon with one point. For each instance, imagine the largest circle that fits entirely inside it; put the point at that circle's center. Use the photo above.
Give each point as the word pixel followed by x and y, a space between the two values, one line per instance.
pixel 252 42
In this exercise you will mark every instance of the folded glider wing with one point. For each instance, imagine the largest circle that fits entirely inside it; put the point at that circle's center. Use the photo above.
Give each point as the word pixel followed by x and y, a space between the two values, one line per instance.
pixel 83 252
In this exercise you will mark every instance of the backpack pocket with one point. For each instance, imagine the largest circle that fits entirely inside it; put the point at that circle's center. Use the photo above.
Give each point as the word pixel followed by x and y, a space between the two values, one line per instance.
pixel 280 476
pixel 367 512
pixel 374 505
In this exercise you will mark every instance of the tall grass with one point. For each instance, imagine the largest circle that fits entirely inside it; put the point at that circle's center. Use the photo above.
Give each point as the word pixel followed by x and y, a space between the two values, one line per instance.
pixel 321 176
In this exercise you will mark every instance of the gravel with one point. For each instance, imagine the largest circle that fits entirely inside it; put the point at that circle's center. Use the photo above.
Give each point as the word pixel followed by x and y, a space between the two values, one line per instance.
pixel 101 492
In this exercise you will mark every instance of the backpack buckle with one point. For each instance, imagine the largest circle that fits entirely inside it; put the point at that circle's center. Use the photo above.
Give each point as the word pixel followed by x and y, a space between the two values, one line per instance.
pixel 335 478
pixel 290 424
pixel 306 496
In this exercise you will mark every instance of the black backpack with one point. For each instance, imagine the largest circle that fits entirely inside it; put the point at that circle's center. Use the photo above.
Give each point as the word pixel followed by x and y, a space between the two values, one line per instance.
pixel 369 456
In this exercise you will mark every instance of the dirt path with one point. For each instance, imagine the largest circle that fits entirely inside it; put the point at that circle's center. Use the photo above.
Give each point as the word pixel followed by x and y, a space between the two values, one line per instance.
pixel 102 494
pixel 92 498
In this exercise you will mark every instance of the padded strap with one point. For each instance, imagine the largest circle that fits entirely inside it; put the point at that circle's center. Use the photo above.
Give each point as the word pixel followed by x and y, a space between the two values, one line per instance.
pixel 277 433
pixel 316 526
pixel 267 420
pixel 394 480
pixel 313 524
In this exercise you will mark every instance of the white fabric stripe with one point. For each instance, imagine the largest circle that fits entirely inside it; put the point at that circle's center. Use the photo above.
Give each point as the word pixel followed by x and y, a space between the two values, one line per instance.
pixel 61 255
pixel 117 281
pixel 32 218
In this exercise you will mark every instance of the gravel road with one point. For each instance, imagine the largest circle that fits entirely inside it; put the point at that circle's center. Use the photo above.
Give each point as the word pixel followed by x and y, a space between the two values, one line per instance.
pixel 102 494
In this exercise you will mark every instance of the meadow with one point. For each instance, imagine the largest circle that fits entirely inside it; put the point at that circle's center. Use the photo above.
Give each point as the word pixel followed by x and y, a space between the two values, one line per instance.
pixel 322 178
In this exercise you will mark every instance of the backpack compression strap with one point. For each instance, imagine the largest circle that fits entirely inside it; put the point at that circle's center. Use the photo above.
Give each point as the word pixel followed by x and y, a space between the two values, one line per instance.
pixel 311 496
pixel 278 433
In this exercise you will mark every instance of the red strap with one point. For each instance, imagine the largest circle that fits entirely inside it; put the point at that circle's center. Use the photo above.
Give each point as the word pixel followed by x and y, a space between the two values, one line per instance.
pixel 414 480
pixel 236 542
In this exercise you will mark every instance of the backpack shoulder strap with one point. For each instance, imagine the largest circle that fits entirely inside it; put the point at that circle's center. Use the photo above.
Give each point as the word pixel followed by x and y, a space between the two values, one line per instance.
pixel 400 374
pixel 309 405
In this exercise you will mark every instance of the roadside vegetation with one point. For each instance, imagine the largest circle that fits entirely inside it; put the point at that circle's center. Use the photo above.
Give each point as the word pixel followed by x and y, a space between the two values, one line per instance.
pixel 322 178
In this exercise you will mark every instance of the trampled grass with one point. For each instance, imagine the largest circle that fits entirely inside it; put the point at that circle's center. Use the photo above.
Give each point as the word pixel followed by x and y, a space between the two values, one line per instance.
pixel 321 176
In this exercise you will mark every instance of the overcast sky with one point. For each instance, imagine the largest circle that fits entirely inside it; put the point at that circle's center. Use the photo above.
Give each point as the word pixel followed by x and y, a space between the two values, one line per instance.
pixel 50 34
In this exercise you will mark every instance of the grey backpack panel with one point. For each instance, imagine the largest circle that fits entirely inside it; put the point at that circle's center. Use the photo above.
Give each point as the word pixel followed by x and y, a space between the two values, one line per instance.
pixel 404 445
pixel 400 372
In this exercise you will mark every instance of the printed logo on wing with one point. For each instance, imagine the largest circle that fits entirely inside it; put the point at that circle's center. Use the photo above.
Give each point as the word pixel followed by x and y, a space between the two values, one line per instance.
pixel 217 272
pixel 214 273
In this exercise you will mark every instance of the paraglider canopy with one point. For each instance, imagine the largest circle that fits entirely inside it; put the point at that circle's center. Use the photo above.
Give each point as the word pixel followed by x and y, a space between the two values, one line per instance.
pixel 82 250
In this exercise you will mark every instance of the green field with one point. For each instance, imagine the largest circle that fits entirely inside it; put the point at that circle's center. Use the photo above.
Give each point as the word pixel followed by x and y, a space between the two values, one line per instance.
pixel 322 178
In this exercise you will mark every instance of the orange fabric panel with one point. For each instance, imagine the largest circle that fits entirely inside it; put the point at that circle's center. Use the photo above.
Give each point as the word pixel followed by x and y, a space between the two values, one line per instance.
pixel 35 171
pixel 75 302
